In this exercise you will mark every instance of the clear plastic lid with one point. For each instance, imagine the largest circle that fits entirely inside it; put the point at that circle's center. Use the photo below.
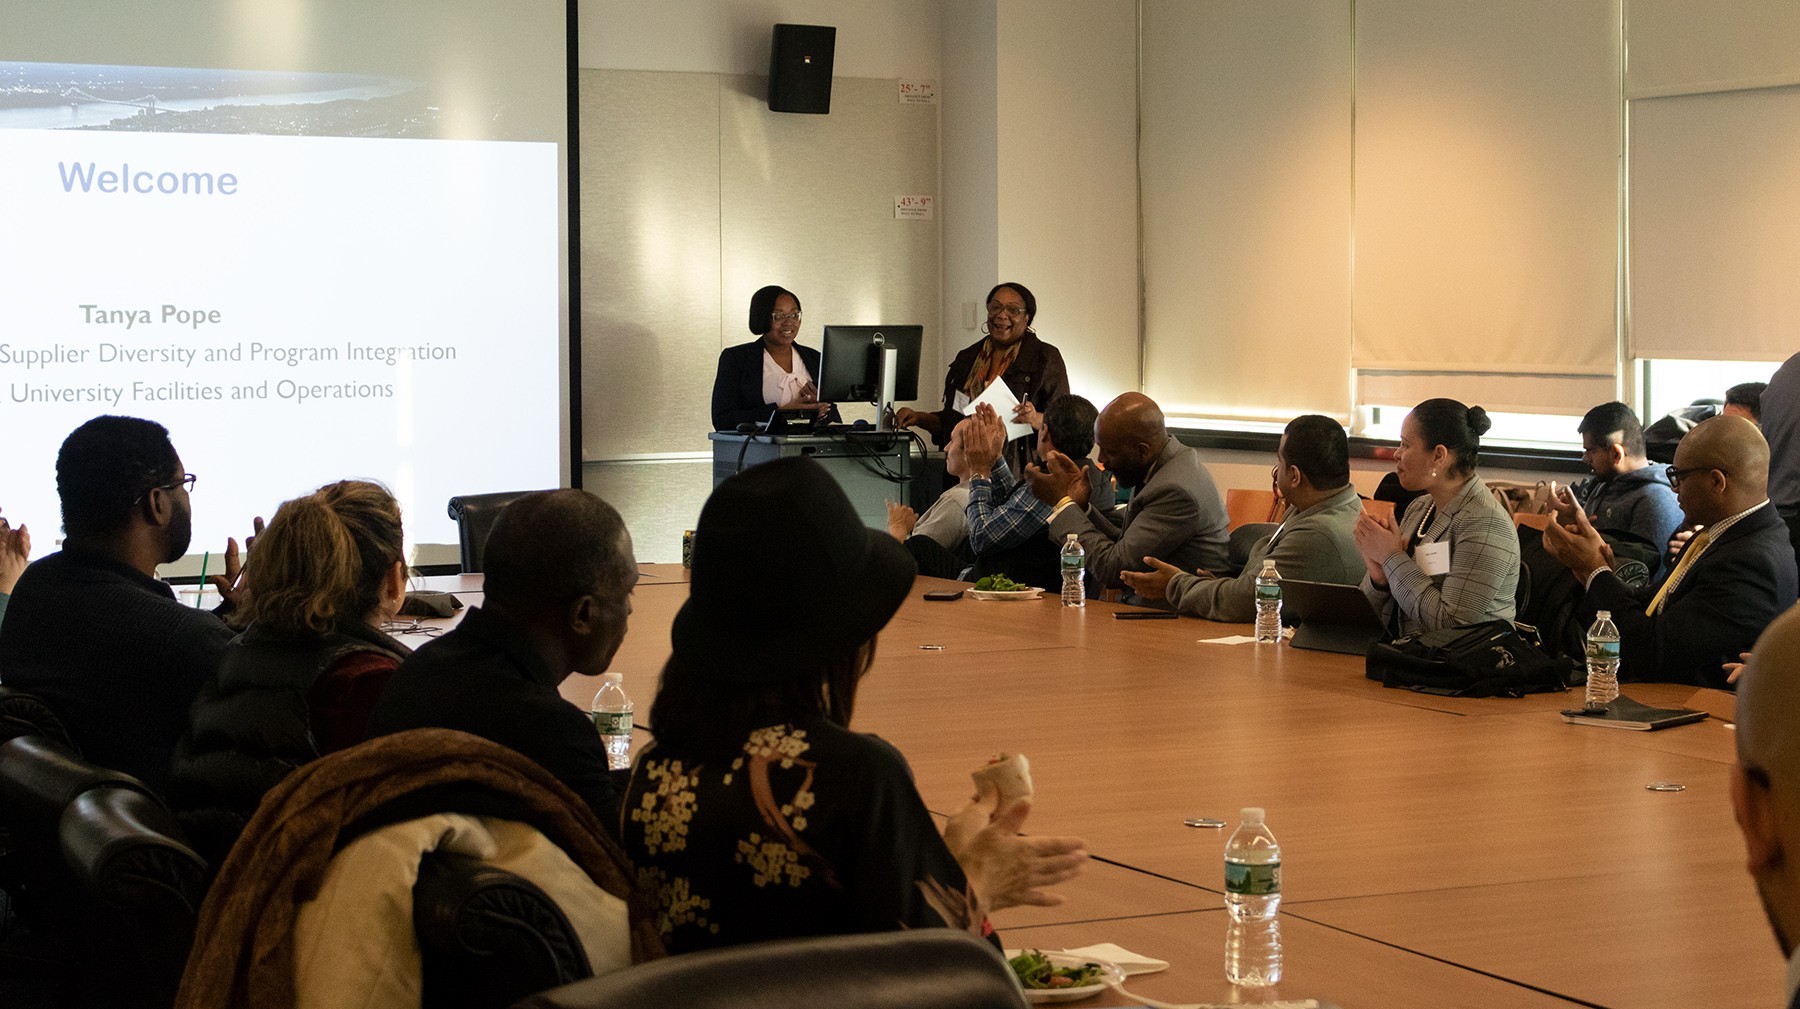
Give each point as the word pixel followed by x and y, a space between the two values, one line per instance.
pixel 1252 815
pixel 606 678
pixel 1268 564
pixel 1602 614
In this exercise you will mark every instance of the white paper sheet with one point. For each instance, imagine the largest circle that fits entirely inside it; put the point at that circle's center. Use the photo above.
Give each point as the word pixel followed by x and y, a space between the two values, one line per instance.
pixel 998 396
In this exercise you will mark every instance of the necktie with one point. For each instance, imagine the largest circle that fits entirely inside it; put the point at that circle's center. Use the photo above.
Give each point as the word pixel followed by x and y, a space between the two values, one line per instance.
pixel 1688 557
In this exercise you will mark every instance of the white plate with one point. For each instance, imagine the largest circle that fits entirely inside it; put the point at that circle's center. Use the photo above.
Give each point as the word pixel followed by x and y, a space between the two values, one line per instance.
pixel 990 596
pixel 1040 996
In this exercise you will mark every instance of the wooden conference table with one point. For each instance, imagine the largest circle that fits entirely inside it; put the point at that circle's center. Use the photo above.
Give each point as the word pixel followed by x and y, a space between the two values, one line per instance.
pixel 1437 851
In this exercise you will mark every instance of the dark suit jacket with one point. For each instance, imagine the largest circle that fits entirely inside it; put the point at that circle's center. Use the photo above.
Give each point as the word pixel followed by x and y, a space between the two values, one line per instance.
pixel 1176 516
pixel 737 388
pixel 1743 581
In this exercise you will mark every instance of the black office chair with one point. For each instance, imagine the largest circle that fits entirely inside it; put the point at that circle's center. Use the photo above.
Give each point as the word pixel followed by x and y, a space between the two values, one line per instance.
pixel 103 872
pixel 1238 543
pixel 475 515
pixel 928 968
pixel 23 714
pixel 488 937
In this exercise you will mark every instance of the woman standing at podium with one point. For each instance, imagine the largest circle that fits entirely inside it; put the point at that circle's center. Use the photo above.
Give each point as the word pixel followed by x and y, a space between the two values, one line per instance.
pixel 768 373
pixel 1009 351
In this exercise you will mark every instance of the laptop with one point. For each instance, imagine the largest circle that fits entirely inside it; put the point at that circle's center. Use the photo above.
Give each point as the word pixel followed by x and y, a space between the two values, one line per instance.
pixel 1331 617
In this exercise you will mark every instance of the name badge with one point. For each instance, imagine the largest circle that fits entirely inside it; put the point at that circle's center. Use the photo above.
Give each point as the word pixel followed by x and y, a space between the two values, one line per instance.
pixel 961 403
pixel 1432 558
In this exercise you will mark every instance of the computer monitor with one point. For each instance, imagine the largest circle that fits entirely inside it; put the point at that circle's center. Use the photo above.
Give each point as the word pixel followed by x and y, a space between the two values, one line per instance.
pixel 852 369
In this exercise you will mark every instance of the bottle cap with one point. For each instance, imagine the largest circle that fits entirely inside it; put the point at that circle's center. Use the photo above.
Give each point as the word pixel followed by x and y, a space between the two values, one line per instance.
pixel 1268 564
pixel 1252 815
pixel 1602 614
pixel 606 678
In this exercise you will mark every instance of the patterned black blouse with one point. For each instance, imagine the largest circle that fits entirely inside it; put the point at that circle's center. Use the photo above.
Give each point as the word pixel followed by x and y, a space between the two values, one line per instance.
pixel 811 830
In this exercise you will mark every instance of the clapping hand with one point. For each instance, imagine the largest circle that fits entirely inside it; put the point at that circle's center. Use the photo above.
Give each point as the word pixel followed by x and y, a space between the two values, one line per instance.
pixel 1563 505
pixel 1377 538
pixel 984 438
pixel 15 554
pixel 900 520
pixel 807 399
pixel 1005 868
pixel 1058 478
pixel 230 585
pixel 1578 546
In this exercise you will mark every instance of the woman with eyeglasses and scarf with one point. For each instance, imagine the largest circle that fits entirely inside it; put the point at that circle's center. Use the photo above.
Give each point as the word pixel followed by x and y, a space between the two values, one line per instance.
pixel 1011 352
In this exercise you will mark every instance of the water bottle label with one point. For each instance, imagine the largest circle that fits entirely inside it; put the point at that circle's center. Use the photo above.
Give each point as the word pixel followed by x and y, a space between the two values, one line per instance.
pixel 1267 592
pixel 1073 562
pixel 1253 880
pixel 1602 650
pixel 612 723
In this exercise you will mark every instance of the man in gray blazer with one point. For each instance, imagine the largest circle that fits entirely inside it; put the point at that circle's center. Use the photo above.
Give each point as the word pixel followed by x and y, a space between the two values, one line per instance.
pixel 1175 513
pixel 1313 543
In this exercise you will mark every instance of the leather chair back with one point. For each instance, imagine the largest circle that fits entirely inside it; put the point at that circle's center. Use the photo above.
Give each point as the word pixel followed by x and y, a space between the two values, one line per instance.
pixel 487 936
pixel 930 968
pixel 23 714
pixel 102 870
pixel 475 515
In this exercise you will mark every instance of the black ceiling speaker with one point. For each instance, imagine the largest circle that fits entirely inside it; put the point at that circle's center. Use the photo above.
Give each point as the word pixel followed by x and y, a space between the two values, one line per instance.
pixel 800 68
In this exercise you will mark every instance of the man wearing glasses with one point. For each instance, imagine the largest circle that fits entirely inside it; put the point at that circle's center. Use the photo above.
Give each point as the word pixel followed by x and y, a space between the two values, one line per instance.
pixel 1734 577
pixel 90 630
pixel 1628 493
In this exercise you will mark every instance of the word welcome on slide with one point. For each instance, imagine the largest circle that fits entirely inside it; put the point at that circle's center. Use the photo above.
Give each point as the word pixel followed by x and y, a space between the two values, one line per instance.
pixel 90 177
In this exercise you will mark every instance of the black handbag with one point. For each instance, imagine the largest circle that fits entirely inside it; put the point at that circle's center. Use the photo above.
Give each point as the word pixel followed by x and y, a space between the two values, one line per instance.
pixel 1482 660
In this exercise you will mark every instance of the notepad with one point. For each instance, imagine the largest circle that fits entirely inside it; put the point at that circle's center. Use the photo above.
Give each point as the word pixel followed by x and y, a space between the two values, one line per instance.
pixel 1625 713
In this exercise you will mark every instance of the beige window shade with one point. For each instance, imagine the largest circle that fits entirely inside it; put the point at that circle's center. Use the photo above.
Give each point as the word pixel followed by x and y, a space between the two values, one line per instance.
pixel 1245 161
pixel 1715 225
pixel 1496 393
pixel 1487 146
pixel 1684 47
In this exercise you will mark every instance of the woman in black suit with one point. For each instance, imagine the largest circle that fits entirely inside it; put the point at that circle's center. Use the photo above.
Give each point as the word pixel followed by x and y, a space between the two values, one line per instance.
pixel 756 378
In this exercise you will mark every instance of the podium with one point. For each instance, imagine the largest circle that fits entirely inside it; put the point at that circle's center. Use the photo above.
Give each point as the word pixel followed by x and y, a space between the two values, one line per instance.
pixel 873 467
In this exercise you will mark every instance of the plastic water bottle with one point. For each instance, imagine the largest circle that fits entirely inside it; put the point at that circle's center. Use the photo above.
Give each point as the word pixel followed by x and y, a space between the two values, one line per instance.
pixel 1252 896
pixel 612 718
pixel 1602 662
pixel 1074 566
pixel 1268 603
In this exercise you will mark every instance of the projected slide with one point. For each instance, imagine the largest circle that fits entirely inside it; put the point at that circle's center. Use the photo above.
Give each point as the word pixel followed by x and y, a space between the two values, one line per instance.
pixel 296 273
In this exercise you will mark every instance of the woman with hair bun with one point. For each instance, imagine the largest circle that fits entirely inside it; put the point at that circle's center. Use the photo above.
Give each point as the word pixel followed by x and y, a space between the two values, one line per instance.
pixel 302 678
pixel 756 378
pixel 1453 558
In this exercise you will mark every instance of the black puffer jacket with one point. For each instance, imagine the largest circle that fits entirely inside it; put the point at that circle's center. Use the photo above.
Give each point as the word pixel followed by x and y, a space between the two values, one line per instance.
pixel 251 724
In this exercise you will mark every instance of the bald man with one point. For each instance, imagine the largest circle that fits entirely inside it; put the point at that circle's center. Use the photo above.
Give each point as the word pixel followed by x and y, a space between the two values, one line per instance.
pixel 1765 784
pixel 1730 581
pixel 1175 514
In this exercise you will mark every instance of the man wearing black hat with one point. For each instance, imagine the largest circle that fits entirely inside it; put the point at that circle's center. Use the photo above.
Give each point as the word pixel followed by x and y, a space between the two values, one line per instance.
pixel 559 575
